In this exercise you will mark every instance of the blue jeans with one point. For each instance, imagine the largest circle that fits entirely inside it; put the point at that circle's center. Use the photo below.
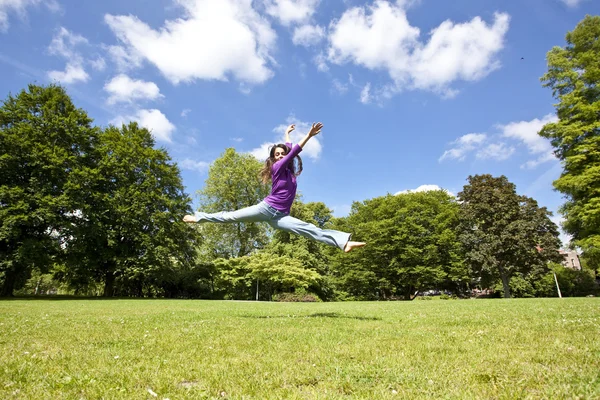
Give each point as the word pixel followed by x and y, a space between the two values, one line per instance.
pixel 263 212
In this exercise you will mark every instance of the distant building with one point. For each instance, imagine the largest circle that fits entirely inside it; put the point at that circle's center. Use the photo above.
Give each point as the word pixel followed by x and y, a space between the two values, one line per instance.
pixel 570 259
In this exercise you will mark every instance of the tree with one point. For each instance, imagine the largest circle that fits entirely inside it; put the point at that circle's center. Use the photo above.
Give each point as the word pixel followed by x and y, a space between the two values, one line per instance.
pixel 44 140
pixel 573 75
pixel 232 183
pixel 130 226
pixel 274 274
pixel 412 245
pixel 504 233
pixel 311 254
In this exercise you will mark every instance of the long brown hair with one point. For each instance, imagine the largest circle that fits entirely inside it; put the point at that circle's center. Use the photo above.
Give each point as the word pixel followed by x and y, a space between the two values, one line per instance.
pixel 295 166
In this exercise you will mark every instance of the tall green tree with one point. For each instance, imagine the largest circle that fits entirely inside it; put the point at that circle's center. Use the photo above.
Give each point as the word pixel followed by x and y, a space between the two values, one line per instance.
pixel 129 234
pixel 411 245
pixel 232 183
pixel 311 254
pixel 574 77
pixel 504 233
pixel 44 139
pixel 241 277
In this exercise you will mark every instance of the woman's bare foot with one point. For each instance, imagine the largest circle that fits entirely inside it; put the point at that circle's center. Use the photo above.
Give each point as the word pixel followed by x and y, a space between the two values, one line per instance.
pixel 189 218
pixel 350 245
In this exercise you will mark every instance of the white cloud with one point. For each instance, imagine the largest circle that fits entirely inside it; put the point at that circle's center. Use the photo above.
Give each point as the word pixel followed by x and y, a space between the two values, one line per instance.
pixel 424 188
pixel 290 12
pixel 125 59
pixel 64 44
pixel 527 133
pixel 99 64
pixel 339 87
pixel 464 145
pixel 192 165
pixel 123 89
pixel 308 35
pixel 365 94
pixel 72 73
pixel 320 61
pixel 237 139
pixel 540 160
pixel 19 7
pixel 214 39
pixel 153 120
pixel 185 112
pixel 312 149
pixel 572 3
pixel 380 37
pixel 495 151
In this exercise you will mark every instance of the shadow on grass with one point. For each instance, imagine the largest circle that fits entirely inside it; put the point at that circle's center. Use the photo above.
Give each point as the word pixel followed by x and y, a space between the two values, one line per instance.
pixel 315 315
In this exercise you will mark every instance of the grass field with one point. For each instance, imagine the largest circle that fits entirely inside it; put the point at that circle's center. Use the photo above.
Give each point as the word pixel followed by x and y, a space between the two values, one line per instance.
pixel 178 349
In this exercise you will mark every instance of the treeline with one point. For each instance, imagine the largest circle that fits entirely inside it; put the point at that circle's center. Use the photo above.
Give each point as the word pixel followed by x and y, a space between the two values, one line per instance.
pixel 98 211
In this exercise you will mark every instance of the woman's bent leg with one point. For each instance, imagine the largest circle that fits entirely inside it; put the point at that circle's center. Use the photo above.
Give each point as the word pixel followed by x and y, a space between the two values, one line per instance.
pixel 299 227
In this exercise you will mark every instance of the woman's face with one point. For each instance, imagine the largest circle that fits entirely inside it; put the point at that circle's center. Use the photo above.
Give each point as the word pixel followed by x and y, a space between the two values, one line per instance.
pixel 279 153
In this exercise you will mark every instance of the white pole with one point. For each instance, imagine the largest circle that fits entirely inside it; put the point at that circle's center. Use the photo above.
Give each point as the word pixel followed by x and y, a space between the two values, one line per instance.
pixel 557 287
pixel 257 290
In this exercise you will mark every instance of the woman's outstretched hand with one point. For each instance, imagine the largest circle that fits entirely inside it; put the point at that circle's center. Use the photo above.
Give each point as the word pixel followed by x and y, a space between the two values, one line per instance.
pixel 288 131
pixel 316 129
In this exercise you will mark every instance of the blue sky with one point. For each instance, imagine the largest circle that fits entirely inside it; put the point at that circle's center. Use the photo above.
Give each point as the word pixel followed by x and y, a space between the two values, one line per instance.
pixel 412 94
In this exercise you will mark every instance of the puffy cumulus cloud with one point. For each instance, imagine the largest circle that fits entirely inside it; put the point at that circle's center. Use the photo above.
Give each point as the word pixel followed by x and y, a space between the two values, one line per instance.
pixel 527 133
pixel 380 37
pixel 464 145
pixel 19 7
pixel 72 73
pixel 123 89
pixel 308 35
pixel 424 188
pixel 124 58
pixel 524 133
pixel 495 151
pixel 64 44
pixel 365 94
pixel 214 39
pixel 289 12
pixel 99 64
pixel 193 165
pixel 154 120
pixel 320 61
pixel 312 149
pixel 572 3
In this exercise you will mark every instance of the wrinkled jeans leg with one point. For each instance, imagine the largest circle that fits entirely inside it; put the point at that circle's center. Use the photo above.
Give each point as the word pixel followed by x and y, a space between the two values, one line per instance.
pixel 257 213
pixel 328 236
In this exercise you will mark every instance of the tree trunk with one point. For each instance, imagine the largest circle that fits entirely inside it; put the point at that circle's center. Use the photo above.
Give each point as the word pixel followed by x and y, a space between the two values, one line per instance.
pixel 408 292
pixel 10 277
pixel 109 285
pixel 506 286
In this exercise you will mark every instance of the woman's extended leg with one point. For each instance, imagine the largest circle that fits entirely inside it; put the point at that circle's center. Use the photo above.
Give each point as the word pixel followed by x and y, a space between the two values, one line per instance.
pixel 328 236
pixel 256 213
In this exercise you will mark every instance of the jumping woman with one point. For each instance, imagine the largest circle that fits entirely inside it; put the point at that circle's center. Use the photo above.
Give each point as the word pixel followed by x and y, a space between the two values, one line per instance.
pixel 275 208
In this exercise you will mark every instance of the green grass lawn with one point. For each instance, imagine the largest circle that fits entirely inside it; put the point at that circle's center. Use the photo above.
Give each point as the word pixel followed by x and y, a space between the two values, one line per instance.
pixel 187 349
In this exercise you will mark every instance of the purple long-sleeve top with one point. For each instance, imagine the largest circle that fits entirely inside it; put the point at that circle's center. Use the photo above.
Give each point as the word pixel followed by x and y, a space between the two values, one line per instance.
pixel 283 190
